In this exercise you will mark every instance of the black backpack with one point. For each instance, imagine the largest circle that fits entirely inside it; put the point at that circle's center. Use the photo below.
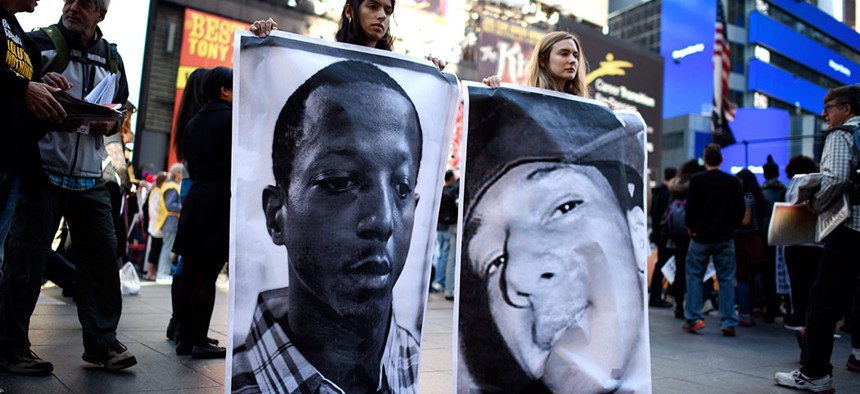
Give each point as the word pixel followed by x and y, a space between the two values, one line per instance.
pixel 675 220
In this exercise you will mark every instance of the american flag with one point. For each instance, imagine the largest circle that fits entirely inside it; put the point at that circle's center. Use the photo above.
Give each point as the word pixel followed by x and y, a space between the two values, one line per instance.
pixel 723 111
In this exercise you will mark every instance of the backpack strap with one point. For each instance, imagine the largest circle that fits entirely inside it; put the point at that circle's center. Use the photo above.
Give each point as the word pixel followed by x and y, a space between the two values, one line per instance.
pixel 62 59
pixel 112 56
pixel 847 129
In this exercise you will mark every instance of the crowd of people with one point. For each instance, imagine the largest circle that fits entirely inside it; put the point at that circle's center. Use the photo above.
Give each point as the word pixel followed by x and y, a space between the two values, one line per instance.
pixel 53 170
pixel 702 214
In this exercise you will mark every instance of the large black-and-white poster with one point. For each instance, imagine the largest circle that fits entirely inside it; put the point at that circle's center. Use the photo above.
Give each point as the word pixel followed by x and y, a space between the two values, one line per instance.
pixel 554 246
pixel 338 160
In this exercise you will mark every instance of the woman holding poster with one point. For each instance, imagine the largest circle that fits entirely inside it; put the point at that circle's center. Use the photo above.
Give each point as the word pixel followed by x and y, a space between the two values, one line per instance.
pixel 362 22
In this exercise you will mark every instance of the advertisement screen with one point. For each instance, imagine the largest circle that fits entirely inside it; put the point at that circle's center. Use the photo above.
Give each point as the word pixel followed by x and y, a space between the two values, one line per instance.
pixel 628 78
pixel 766 132
pixel 207 41
pixel 504 49
pixel 687 45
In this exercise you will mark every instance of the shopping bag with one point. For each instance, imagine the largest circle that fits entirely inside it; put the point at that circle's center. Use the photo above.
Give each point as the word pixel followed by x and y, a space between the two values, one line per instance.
pixel 129 282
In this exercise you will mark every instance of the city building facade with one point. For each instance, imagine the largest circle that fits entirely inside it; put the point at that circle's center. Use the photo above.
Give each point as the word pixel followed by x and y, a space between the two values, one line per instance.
pixel 784 55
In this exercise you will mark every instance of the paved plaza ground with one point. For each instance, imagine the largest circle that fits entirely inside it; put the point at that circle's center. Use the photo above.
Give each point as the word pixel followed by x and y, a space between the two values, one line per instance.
pixel 681 363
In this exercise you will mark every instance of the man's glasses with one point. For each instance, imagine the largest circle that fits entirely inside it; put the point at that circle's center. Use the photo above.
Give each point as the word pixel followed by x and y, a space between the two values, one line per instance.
pixel 827 107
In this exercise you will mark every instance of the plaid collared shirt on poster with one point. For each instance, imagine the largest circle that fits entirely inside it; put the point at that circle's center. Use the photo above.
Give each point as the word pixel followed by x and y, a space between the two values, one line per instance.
pixel 269 362
pixel 837 160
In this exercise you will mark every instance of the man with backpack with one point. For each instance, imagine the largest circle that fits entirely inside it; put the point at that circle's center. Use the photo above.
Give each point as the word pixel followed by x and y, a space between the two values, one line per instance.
pixel 76 58
pixel 832 290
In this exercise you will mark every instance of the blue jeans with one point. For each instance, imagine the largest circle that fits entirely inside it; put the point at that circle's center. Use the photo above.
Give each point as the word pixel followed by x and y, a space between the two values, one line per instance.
pixel 443 242
pixel 744 297
pixel 8 193
pixel 724 263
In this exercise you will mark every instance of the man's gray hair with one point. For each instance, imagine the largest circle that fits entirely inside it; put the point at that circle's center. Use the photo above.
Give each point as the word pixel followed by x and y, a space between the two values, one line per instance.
pixel 103 4
pixel 176 168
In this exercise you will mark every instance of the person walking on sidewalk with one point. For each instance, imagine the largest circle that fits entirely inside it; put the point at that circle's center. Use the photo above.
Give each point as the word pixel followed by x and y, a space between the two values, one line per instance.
pixel 76 58
pixel 831 292
pixel 715 208
pixel 23 100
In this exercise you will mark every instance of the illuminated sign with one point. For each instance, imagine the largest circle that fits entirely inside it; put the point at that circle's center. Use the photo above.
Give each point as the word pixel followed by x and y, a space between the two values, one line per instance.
pixel 839 68
pixel 773 140
pixel 684 52
pixel 207 41
pixel 504 49
pixel 622 91
pixel 758 170
pixel 612 67
pixel 628 77
pixel 688 83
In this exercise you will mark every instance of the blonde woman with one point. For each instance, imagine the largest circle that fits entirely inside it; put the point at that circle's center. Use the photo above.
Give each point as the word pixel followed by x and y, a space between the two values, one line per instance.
pixel 557 63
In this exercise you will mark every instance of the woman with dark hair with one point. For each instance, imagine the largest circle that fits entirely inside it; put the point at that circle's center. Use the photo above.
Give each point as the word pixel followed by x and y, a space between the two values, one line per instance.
pixel 204 225
pixel 365 23
pixel 191 102
pixel 749 249
pixel 680 241
pixel 362 22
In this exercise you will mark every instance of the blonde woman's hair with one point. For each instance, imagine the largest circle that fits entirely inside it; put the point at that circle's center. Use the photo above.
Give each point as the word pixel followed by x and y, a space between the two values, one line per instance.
pixel 538 76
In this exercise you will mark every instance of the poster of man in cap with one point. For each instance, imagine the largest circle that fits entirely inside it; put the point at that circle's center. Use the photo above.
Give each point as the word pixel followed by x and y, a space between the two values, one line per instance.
pixel 338 161
pixel 554 246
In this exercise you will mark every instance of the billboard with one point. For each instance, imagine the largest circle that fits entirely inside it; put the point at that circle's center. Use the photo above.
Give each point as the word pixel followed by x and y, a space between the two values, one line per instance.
pixel 764 132
pixel 207 41
pixel 504 49
pixel 687 45
pixel 629 78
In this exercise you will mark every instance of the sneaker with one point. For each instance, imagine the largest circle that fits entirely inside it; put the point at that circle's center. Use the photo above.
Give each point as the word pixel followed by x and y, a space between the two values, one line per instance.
pixel 25 363
pixel 798 380
pixel 437 288
pixel 746 321
pixel 728 331
pixel 853 364
pixel 693 328
pixel 116 357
